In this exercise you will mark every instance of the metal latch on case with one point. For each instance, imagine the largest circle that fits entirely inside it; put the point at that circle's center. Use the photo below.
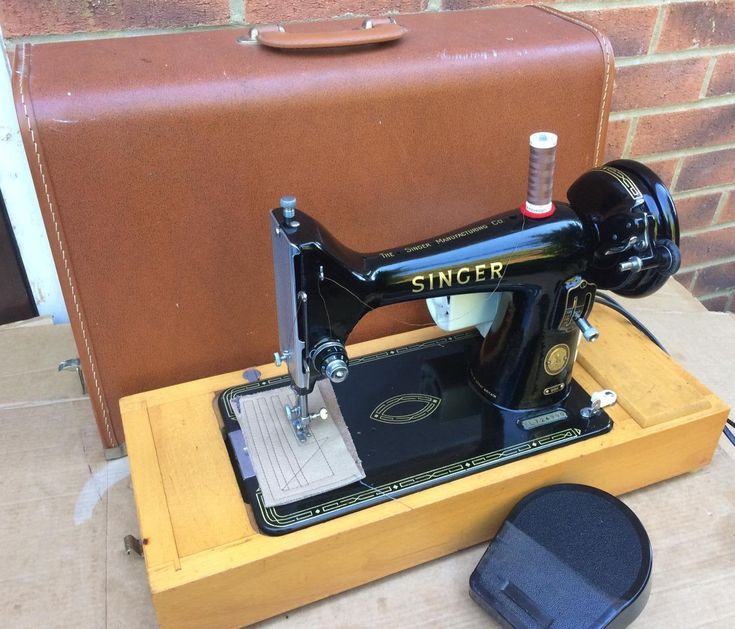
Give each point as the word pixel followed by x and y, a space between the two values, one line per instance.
pixel 73 364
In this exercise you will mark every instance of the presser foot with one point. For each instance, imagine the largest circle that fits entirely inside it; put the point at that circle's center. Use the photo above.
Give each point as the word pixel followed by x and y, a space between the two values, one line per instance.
pixel 301 421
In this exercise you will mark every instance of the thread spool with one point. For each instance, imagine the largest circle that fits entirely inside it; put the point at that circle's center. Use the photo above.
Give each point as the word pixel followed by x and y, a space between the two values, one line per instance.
pixel 541 162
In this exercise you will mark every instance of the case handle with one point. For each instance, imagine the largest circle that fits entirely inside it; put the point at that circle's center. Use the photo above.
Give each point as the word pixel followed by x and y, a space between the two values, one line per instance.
pixel 372 31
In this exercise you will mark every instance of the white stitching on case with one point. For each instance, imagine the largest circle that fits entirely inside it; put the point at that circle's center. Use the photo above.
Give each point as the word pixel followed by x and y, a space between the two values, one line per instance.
pixel 82 327
pixel 602 40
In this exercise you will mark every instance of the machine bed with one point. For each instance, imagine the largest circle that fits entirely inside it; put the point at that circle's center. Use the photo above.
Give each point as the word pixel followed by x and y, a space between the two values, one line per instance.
pixel 415 422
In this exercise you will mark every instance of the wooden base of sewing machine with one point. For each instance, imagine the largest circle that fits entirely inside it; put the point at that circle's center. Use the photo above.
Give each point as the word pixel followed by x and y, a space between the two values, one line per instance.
pixel 209 566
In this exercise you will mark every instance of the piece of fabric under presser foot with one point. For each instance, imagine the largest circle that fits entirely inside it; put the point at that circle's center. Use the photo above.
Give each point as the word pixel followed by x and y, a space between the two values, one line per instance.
pixel 287 469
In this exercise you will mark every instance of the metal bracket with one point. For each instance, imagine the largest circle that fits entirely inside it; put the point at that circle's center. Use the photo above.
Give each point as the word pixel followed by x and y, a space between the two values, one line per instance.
pixel 372 22
pixel 132 544
pixel 290 304
pixel 72 364
pixel 118 452
pixel 252 36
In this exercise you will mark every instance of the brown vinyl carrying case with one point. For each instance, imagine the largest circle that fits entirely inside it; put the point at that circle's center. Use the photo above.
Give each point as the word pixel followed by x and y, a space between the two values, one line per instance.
pixel 157 158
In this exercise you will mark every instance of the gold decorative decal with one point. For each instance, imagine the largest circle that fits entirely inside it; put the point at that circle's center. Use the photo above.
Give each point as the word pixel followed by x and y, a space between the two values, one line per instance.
pixel 624 180
pixel 429 404
pixel 451 277
pixel 556 359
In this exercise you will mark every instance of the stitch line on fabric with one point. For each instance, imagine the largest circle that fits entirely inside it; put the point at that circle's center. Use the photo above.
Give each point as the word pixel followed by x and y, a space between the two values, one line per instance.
pixel 605 46
pixel 105 414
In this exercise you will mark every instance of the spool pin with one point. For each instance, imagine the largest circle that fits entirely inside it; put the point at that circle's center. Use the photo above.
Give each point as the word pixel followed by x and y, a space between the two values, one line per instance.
pixel 541 162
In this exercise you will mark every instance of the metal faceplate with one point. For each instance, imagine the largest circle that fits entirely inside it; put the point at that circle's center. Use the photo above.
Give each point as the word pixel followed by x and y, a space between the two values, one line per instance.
pixel 287 305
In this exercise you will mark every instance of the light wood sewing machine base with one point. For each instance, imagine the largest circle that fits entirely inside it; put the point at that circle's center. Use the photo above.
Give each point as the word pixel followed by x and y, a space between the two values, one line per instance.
pixel 208 566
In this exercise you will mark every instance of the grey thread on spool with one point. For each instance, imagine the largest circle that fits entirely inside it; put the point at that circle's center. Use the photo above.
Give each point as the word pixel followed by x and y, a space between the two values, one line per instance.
pixel 541 171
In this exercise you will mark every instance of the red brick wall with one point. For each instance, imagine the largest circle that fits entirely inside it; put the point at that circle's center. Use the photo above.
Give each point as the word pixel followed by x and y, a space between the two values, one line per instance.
pixel 673 105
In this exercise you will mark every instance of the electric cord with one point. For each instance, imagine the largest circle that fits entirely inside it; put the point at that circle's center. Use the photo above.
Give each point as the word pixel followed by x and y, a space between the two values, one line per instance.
pixel 728 433
pixel 611 303
pixel 620 309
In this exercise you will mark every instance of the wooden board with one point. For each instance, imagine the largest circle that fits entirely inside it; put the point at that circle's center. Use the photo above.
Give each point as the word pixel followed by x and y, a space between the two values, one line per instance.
pixel 648 399
pixel 206 514
pixel 208 565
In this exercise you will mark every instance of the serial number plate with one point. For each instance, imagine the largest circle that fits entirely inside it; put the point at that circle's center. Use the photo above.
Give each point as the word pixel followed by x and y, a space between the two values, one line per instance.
pixel 543 420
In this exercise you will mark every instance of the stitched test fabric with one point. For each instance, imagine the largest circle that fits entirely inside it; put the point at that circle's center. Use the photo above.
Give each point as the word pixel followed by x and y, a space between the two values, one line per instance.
pixel 287 469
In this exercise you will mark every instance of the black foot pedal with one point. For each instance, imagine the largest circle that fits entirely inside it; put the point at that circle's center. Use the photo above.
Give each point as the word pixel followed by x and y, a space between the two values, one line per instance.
pixel 567 556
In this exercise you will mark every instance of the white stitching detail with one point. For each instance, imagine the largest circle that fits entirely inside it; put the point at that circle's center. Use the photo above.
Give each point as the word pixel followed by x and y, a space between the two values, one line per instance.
pixel 82 327
pixel 605 46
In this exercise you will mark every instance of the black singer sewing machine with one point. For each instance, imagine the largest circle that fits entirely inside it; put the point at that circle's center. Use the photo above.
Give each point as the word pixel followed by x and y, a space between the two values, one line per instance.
pixel 513 292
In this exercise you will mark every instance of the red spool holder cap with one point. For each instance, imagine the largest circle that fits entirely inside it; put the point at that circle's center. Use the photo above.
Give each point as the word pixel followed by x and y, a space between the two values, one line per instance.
pixel 531 214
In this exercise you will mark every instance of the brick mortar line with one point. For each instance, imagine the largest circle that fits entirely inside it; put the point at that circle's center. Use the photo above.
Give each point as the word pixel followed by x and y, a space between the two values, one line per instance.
pixel 723 292
pixel 237 11
pixel 720 207
pixel 707 77
pixel 705 103
pixel 657 28
pixel 677 55
pixel 690 284
pixel 685 152
pixel 630 138
pixel 696 192
pixel 705 265
pixel 708 229
pixel 677 172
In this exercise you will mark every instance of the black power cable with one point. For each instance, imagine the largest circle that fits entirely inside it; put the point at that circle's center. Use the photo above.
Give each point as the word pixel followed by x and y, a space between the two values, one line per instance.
pixel 619 308
pixel 608 301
